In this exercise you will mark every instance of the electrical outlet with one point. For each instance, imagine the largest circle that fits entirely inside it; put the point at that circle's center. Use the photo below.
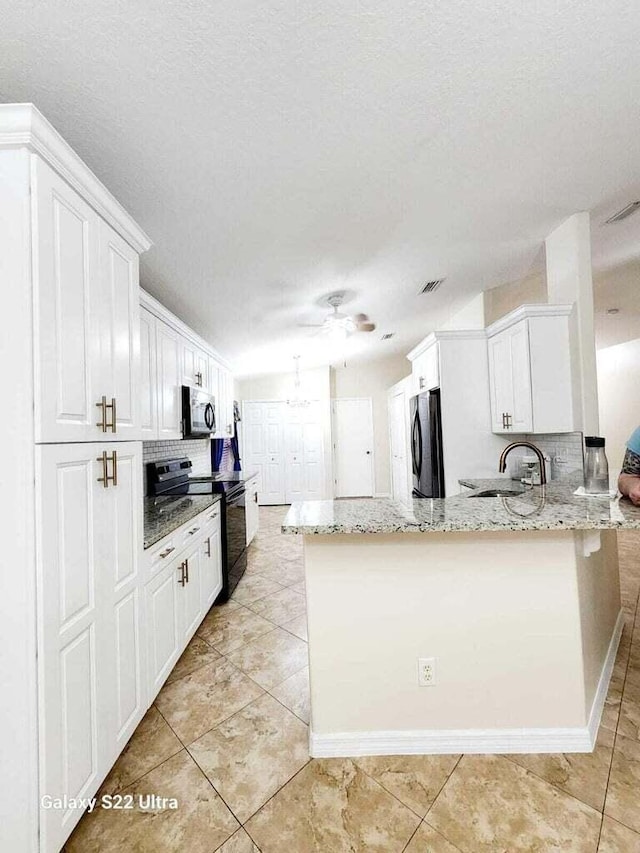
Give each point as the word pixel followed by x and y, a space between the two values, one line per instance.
pixel 426 671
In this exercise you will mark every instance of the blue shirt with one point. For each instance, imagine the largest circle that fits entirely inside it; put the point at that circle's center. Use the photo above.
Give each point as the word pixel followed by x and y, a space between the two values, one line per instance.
pixel 634 442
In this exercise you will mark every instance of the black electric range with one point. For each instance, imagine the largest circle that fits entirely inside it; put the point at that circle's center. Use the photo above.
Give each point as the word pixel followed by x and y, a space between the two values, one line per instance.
pixel 170 477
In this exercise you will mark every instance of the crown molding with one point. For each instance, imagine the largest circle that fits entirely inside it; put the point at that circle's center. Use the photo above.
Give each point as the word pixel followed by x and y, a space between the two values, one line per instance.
pixel 24 126
pixel 151 304
pixel 446 335
pixel 526 312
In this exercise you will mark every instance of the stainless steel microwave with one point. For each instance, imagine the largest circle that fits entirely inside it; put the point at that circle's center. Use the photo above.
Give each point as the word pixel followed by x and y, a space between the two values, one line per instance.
pixel 198 413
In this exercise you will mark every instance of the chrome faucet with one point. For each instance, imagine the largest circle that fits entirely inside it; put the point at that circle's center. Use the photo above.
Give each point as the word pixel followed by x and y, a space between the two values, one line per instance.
pixel 502 465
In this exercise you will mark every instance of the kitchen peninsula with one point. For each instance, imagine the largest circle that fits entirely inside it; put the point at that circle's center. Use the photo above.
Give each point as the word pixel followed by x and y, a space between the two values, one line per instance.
pixel 510 604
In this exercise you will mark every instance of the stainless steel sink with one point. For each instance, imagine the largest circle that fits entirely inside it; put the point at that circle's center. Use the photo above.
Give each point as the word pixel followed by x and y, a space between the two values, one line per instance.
pixel 498 493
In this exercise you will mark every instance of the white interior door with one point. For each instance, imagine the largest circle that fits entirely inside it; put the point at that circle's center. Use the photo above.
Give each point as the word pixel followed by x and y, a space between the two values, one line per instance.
pixel 399 445
pixel 263 447
pixel 353 447
pixel 304 471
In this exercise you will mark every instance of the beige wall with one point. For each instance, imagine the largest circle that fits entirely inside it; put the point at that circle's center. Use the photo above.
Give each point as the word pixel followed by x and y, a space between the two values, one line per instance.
pixel 617 288
pixel 619 394
pixel 530 290
pixel 373 379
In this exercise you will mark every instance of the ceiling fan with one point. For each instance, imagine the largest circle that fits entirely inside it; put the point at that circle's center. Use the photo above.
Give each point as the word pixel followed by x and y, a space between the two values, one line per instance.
pixel 340 325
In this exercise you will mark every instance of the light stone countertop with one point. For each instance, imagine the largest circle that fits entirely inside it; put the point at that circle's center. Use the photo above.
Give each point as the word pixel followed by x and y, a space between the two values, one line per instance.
pixel 551 507
pixel 163 515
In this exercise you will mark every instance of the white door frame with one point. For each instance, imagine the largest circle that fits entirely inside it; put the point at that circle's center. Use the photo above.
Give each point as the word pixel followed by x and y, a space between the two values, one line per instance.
pixel 334 460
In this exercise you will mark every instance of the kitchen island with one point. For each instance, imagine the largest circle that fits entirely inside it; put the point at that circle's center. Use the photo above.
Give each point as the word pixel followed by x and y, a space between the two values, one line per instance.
pixel 512 602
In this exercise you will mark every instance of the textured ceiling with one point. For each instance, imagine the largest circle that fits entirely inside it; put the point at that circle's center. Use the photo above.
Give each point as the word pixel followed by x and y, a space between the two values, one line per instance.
pixel 276 151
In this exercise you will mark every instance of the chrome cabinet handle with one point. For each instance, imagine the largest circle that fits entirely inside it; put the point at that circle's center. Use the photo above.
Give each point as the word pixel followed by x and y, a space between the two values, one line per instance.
pixel 208 546
pixel 194 530
pixel 186 570
pixel 105 475
pixel 167 552
pixel 182 579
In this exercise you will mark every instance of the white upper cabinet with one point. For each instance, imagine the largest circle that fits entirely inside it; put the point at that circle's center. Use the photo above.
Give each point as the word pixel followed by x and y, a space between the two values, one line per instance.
pixel 181 358
pixel 67 332
pixel 119 320
pixel 425 369
pixel 168 382
pixel 194 364
pixel 530 371
pixel 510 380
pixel 87 319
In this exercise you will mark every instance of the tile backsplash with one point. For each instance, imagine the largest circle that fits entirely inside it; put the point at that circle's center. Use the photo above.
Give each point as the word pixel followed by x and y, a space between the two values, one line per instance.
pixel 198 451
pixel 564 448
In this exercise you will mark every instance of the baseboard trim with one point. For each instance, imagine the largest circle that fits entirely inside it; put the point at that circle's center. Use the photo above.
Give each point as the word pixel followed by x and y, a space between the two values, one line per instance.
pixel 382 495
pixel 597 706
pixel 475 741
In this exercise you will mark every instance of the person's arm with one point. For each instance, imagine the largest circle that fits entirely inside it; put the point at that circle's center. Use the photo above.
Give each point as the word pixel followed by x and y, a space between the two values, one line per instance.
pixel 629 479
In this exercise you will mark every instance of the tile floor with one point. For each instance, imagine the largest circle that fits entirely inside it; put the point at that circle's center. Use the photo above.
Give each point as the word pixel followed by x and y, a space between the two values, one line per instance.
pixel 227 736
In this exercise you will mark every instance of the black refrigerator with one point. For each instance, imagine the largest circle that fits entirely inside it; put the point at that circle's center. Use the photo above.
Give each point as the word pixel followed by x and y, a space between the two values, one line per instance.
pixel 426 445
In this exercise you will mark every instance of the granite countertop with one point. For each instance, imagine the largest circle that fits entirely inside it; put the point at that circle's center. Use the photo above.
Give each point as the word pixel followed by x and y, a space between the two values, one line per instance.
pixel 550 507
pixel 163 515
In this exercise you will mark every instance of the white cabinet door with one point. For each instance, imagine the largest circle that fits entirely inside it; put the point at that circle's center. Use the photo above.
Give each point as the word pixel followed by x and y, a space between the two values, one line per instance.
pixel 164 615
pixel 194 365
pixel 67 329
pixel 202 369
pixel 148 376
pixel 120 542
pixel 169 386
pixel 118 306
pixel 521 415
pixel 426 370
pixel 510 380
pixel 86 319
pixel 187 362
pixel 500 379
pixel 252 509
pixel 191 593
pixel 211 564
pixel 263 448
pixel 89 643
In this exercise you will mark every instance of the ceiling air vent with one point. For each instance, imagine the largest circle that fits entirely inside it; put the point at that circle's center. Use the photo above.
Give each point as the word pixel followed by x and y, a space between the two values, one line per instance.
pixel 387 336
pixel 622 214
pixel 430 286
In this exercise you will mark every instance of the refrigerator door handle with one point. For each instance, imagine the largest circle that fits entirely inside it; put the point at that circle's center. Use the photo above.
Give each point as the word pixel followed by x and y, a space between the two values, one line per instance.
pixel 414 446
pixel 419 446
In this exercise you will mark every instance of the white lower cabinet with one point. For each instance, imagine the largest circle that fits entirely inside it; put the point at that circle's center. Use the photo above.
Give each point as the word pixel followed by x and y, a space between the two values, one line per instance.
pixel 191 583
pixel 91 636
pixel 186 577
pixel 163 618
